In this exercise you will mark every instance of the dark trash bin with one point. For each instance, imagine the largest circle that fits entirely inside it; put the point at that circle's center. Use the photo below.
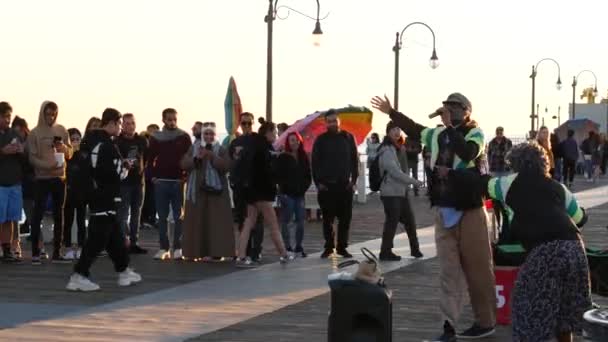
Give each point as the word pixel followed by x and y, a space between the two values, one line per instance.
pixel 360 312
pixel 598 269
pixel 596 325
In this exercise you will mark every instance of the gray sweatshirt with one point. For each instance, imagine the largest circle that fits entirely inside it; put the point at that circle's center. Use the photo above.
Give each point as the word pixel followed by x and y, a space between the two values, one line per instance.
pixel 396 179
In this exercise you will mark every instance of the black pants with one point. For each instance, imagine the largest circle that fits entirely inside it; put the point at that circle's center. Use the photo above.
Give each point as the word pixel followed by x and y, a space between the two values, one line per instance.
pixel 73 203
pixel 569 170
pixel 336 202
pixel 398 210
pixel 42 189
pixel 104 233
pixel 148 211
pixel 256 238
pixel 429 181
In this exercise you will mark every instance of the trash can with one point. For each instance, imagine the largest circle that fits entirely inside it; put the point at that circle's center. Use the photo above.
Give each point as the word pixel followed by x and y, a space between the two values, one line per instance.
pixel 598 268
pixel 596 325
pixel 360 312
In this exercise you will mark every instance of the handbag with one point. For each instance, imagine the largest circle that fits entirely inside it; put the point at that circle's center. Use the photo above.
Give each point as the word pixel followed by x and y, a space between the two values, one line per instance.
pixel 369 270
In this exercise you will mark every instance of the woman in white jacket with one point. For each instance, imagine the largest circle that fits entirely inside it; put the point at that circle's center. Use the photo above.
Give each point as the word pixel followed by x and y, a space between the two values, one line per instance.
pixel 394 194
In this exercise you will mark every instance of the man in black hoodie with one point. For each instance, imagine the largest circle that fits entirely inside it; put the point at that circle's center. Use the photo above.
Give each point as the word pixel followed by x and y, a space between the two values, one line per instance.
pixel 335 169
pixel 107 170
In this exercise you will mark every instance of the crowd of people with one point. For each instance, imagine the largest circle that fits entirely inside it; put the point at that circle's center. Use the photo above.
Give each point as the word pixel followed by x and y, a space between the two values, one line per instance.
pixel 110 181
pixel 122 180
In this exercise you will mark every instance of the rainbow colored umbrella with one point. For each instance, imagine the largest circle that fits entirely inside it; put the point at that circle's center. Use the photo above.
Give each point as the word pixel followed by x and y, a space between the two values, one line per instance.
pixel 355 120
pixel 232 109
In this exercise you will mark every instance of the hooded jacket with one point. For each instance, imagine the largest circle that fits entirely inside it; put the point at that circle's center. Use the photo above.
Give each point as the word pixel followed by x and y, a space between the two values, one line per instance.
pixel 107 172
pixel 41 151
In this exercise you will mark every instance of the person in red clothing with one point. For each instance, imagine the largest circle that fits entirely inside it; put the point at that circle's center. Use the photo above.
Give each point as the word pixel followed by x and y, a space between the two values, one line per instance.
pixel 167 147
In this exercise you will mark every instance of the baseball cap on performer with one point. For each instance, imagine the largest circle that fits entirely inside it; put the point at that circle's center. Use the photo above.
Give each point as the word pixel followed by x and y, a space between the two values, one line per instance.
pixel 459 99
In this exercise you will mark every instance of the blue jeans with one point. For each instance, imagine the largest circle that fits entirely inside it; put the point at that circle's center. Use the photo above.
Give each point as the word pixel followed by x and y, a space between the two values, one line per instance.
pixel 291 206
pixel 589 167
pixel 11 203
pixel 169 193
pixel 132 196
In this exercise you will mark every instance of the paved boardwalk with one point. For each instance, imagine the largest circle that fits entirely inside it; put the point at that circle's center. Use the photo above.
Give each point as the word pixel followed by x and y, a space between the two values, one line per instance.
pixel 214 300
pixel 416 314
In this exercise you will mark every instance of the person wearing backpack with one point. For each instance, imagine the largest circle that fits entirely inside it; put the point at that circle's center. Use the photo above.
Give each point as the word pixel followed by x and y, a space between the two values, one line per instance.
pixel 394 194
pixel 107 169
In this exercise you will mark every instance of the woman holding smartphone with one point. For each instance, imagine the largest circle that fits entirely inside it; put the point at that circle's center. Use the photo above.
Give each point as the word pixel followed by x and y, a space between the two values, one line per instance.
pixel 208 214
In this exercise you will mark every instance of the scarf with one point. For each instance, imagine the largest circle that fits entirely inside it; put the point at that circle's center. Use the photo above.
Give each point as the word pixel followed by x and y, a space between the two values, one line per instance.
pixel 168 134
pixel 191 186
pixel 212 175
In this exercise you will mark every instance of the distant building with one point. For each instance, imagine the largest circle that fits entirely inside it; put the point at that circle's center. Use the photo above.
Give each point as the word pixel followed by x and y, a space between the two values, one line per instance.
pixel 597 112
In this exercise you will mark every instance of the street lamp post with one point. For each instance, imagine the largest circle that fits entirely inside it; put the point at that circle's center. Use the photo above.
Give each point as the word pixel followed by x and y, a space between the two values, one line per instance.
pixel 574 84
pixel 434 61
pixel 533 77
pixel 270 17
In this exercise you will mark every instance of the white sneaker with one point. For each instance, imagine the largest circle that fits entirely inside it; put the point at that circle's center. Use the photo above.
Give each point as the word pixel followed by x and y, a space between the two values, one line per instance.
pixel 70 255
pixel 128 277
pixel 245 263
pixel 162 254
pixel 177 254
pixel 79 283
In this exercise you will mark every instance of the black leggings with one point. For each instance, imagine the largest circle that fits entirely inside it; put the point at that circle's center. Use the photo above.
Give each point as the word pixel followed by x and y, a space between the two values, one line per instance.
pixel 73 204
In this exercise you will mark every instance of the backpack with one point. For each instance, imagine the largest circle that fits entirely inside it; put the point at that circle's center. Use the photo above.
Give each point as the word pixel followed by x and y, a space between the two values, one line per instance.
pixel 375 178
pixel 84 164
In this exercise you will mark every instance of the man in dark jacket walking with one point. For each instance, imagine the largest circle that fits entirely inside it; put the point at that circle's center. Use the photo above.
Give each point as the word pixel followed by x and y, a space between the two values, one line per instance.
pixel 335 169
pixel 569 149
pixel 107 170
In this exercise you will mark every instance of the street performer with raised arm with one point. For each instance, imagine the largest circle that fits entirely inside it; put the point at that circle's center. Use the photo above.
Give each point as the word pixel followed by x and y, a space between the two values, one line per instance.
pixel 461 232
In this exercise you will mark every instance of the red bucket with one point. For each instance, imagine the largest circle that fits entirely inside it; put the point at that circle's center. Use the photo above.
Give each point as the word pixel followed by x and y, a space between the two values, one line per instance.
pixel 505 282
pixel 489 204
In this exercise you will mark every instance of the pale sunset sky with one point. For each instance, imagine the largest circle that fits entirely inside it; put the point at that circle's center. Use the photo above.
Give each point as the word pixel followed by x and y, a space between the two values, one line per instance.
pixel 142 56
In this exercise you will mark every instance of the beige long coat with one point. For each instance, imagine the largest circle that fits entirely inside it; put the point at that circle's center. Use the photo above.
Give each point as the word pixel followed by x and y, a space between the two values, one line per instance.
pixel 208 230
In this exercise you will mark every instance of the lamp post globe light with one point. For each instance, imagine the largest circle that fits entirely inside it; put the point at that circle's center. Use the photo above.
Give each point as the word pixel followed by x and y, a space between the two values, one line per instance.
pixel 270 17
pixel 433 61
pixel 575 83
